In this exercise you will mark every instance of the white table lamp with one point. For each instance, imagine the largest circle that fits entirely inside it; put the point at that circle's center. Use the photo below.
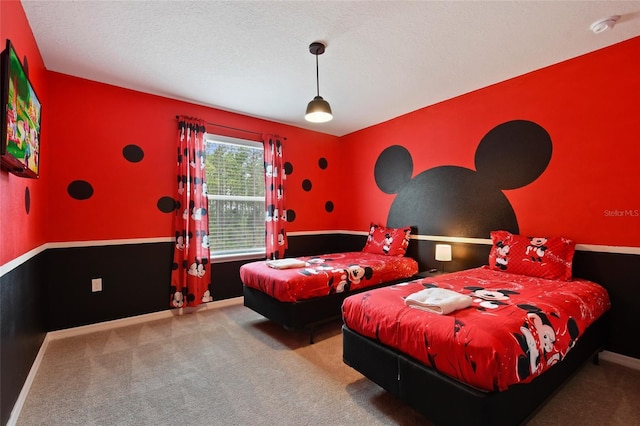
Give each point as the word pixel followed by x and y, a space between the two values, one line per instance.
pixel 443 253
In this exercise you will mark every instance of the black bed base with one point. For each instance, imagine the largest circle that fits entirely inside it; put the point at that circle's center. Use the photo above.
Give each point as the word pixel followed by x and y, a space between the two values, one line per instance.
pixel 445 401
pixel 305 314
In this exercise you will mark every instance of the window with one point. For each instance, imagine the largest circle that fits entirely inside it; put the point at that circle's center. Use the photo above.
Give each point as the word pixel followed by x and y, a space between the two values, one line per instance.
pixel 235 187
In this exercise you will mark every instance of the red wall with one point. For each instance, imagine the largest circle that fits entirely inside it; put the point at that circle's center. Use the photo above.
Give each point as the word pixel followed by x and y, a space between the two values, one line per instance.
pixel 589 107
pixel 23 207
pixel 86 125
pixel 91 123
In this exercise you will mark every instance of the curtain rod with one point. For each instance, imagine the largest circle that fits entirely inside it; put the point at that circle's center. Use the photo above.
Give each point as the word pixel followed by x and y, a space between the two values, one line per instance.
pixel 229 127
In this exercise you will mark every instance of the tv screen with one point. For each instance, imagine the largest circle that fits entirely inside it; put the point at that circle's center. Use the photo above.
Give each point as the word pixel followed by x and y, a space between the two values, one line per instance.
pixel 21 109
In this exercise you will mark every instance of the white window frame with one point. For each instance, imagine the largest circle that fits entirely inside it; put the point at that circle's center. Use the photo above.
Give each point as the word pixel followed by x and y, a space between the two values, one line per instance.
pixel 245 254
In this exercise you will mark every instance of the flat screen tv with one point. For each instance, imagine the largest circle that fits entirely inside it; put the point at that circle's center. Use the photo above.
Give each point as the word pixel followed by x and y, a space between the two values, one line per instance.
pixel 21 110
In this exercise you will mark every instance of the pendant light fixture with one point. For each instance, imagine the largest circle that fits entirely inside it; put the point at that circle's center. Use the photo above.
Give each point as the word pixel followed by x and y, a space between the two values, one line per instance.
pixel 318 110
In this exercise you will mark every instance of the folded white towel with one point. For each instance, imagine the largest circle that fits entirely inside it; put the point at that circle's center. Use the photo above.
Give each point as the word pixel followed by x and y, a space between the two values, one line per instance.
pixel 438 300
pixel 286 263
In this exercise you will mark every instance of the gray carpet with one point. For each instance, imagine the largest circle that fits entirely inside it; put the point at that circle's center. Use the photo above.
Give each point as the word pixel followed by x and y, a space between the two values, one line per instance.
pixel 230 366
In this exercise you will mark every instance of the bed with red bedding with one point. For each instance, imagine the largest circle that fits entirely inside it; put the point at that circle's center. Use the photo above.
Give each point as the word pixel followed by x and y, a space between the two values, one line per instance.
pixel 312 292
pixel 492 362
pixel 305 296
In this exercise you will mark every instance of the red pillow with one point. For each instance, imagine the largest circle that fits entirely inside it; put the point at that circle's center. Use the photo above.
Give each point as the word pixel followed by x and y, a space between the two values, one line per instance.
pixel 544 257
pixel 389 241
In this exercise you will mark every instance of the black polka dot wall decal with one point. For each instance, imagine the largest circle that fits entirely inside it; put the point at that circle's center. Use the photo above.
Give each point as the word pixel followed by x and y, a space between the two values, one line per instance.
pixel 166 204
pixel 288 168
pixel 27 200
pixel 80 189
pixel 133 153
pixel 328 206
pixel 306 185
pixel 291 215
pixel 322 163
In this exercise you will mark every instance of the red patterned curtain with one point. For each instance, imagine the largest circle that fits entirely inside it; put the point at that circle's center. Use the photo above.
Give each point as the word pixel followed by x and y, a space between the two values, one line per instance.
pixel 276 215
pixel 191 274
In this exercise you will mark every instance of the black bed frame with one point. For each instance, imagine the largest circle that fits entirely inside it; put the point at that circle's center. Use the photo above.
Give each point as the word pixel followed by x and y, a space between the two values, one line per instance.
pixel 446 401
pixel 305 314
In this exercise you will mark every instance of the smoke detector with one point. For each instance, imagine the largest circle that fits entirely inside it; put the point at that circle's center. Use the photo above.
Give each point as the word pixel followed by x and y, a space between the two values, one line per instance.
pixel 605 24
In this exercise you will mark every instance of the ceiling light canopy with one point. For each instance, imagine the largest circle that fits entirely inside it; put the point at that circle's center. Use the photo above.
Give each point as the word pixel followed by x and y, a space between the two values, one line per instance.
pixel 318 110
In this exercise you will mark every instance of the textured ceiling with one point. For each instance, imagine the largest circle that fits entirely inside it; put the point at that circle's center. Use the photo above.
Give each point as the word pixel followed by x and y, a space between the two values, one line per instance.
pixel 383 58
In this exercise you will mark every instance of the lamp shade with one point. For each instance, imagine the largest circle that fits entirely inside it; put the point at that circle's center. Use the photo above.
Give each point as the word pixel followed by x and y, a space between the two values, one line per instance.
pixel 318 111
pixel 443 252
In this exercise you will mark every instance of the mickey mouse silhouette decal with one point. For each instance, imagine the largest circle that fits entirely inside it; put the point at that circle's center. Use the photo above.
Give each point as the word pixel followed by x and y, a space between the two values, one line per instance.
pixel 452 200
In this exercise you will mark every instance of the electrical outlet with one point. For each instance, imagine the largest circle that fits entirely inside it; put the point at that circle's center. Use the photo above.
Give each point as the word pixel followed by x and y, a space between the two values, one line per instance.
pixel 96 284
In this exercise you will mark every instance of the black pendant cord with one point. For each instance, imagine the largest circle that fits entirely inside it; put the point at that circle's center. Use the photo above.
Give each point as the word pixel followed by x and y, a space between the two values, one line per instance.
pixel 317 78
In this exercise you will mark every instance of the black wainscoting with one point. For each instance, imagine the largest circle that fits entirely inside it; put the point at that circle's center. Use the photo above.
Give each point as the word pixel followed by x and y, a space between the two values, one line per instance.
pixel 620 275
pixel 310 245
pixel 464 256
pixel 135 279
pixel 22 328
pixel 225 279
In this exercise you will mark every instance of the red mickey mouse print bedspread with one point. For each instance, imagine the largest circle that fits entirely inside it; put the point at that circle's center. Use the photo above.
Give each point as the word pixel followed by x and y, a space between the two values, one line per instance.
pixel 326 274
pixel 516 328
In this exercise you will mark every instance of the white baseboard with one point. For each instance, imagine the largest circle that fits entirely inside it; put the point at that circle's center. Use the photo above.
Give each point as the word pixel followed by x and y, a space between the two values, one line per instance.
pixel 624 360
pixel 91 328
pixel 107 325
pixel 22 397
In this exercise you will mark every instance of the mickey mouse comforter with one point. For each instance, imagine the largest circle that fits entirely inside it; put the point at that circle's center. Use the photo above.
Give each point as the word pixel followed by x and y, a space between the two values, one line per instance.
pixel 326 274
pixel 516 327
